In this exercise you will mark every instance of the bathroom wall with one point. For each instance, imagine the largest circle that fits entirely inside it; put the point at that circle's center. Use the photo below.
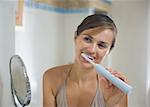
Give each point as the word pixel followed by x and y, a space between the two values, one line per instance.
pixel 130 54
pixel 7 48
pixel 37 42
pixel 148 57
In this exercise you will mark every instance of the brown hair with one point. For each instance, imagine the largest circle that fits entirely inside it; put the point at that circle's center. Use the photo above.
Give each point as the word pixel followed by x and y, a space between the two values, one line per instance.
pixel 97 20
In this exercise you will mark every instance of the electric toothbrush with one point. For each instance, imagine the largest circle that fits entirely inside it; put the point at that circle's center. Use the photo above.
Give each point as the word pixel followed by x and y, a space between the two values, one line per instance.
pixel 116 81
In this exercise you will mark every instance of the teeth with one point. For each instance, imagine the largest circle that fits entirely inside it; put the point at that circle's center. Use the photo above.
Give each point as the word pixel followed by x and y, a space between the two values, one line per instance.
pixel 90 57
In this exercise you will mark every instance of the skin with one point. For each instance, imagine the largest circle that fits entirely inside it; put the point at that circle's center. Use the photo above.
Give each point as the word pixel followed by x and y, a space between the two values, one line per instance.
pixel 82 77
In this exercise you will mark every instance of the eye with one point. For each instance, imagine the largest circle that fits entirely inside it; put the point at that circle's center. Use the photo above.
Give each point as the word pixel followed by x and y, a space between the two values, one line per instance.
pixel 87 39
pixel 102 46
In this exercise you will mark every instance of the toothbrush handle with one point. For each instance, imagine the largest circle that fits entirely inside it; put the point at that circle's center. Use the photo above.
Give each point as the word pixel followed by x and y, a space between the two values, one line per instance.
pixel 116 81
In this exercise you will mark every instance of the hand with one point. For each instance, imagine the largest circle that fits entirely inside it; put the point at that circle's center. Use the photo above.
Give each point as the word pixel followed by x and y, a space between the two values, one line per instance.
pixel 112 94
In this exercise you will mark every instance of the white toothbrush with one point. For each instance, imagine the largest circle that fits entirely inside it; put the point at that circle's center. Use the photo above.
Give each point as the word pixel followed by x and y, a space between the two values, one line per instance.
pixel 116 81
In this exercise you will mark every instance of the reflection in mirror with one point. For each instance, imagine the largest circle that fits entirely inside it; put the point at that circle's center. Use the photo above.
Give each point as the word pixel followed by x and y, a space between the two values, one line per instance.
pixel 20 84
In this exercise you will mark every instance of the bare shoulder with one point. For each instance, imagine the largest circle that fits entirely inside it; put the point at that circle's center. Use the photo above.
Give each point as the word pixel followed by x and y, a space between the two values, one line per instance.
pixel 58 71
pixel 55 76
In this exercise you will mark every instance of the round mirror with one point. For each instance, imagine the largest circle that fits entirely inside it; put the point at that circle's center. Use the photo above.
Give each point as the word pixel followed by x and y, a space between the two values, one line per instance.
pixel 20 85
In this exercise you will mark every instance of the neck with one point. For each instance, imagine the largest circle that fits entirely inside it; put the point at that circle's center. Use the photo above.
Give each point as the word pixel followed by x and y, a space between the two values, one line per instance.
pixel 79 74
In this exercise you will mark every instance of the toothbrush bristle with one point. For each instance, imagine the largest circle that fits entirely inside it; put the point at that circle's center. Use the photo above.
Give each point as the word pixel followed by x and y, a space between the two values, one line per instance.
pixel 87 58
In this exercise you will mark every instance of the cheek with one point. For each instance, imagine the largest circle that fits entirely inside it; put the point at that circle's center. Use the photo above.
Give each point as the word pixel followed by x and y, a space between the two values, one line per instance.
pixel 103 54
pixel 79 45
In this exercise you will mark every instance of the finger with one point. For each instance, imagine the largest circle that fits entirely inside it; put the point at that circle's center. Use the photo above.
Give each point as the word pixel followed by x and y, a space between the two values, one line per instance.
pixel 120 76
pixel 116 73
pixel 109 69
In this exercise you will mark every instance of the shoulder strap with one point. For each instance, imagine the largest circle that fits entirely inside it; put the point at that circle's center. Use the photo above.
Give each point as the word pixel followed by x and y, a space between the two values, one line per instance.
pixel 61 98
pixel 98 100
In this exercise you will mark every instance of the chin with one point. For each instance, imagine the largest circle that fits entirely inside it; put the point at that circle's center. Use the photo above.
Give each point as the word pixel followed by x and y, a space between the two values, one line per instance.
pixel 87 65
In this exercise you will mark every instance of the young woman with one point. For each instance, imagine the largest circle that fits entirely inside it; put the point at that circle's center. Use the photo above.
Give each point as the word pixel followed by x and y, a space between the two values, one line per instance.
pixel 78 84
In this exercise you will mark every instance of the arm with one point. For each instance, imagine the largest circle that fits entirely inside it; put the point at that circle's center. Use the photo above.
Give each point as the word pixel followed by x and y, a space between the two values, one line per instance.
pixel 48 96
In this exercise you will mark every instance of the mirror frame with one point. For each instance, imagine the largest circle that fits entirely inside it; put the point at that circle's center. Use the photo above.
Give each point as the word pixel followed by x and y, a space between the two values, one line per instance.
pixel 16 99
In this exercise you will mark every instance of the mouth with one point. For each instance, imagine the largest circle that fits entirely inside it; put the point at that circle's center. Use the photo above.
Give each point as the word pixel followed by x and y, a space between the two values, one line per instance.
pixel 89 56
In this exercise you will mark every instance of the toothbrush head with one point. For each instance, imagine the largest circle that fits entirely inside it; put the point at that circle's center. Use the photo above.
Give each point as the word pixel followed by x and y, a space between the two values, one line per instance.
pixel 87 58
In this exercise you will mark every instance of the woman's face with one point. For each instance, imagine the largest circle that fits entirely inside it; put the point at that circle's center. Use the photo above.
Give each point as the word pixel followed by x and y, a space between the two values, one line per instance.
pixel 95 42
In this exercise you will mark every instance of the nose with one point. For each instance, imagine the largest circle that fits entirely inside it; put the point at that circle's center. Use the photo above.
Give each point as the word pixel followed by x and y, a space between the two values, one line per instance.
pixel 93 48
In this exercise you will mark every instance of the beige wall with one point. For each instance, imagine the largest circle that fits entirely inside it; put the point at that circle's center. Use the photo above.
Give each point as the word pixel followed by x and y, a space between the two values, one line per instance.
pixel 130 53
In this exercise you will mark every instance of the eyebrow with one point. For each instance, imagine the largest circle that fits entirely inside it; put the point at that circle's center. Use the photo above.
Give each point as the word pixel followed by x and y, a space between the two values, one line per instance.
pixel 89 36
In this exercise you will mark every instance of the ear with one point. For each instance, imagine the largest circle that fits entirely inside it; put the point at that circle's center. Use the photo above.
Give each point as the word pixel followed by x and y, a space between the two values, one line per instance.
pixel 75 35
